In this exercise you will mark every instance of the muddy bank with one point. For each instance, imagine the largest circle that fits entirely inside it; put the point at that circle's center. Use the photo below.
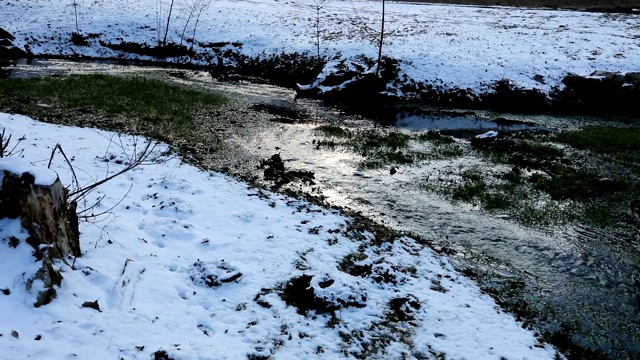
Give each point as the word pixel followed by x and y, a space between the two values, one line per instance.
pixel 351 85
pixel 601 92
pixel 616 6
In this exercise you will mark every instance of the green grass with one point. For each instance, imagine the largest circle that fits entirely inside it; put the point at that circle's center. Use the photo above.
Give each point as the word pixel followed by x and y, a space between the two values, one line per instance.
pixel 546 187
pixel 377 160
pixel 535 152
pixel 368 140
pixel 150 100
pixel 621 143
pixel 566 182
pixel 475 190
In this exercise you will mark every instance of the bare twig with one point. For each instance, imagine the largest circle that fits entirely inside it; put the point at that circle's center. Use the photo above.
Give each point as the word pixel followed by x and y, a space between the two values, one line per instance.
pixel 138 160
pixel 103 232
pixel 166 30
pixel 75 11
pixel 73 172
pixel 201 6
pixel 96 204
pixel 109 210
pixel 192 10
pixel 380 42
pixel 4 144
pixel 318 6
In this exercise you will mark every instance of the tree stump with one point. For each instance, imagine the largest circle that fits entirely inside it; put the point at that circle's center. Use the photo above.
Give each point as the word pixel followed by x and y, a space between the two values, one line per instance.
pixel 37 196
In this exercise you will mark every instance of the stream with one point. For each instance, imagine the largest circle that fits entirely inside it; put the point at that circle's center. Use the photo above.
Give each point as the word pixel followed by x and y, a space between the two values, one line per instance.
pixel 580 282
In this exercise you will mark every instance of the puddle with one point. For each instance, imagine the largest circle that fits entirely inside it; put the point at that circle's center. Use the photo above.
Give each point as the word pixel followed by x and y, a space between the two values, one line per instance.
pixel 469 121
pixel 463 125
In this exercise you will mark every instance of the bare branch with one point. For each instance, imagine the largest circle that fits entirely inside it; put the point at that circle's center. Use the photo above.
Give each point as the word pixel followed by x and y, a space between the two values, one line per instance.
pixel 109 210
pixel 139 160
pixel 95 205
pixel 201 6
pixel 4 144
pixel 73 172
pixel 166 30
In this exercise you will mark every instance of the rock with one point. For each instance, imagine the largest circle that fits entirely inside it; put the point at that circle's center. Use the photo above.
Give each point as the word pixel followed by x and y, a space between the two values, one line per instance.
pixel 403 307
pixel 507 96
pixel 275 171
pixel 92 305
pixel 50 276
pixel 4 34
pixel 323 294
pixel 633 78
pixel 488 135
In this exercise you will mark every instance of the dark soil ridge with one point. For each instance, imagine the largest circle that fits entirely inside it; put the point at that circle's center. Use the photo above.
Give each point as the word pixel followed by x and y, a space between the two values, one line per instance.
pixel 607 6
pixel 604 93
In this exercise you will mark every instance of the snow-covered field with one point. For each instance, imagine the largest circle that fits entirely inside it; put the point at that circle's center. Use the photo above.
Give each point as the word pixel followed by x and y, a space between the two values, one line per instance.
pixel 463 46
pixel 193 263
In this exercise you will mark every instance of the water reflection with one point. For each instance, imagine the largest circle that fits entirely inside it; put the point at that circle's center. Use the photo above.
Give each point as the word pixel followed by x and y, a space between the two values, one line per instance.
pixel 460 123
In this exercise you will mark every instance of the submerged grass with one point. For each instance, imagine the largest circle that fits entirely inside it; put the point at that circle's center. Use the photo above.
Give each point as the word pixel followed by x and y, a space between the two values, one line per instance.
pixel 508 193
pixel 551 184
pixel 332 131
pixel 382 148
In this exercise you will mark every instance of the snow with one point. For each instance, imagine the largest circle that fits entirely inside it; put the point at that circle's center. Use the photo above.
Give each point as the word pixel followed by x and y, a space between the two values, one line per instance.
pixel 15 165
pixel 487 135
pixel 193 263
pixel 453 46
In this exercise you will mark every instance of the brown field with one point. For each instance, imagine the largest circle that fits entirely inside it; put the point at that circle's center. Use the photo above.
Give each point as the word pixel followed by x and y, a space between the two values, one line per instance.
pixel 604 5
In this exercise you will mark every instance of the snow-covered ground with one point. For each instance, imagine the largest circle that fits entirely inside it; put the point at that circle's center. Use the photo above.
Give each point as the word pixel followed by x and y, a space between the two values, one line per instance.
pixel 193 263
pixel 463 46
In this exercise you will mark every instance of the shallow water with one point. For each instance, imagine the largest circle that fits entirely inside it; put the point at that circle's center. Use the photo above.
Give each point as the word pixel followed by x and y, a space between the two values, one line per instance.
pixel 577 277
